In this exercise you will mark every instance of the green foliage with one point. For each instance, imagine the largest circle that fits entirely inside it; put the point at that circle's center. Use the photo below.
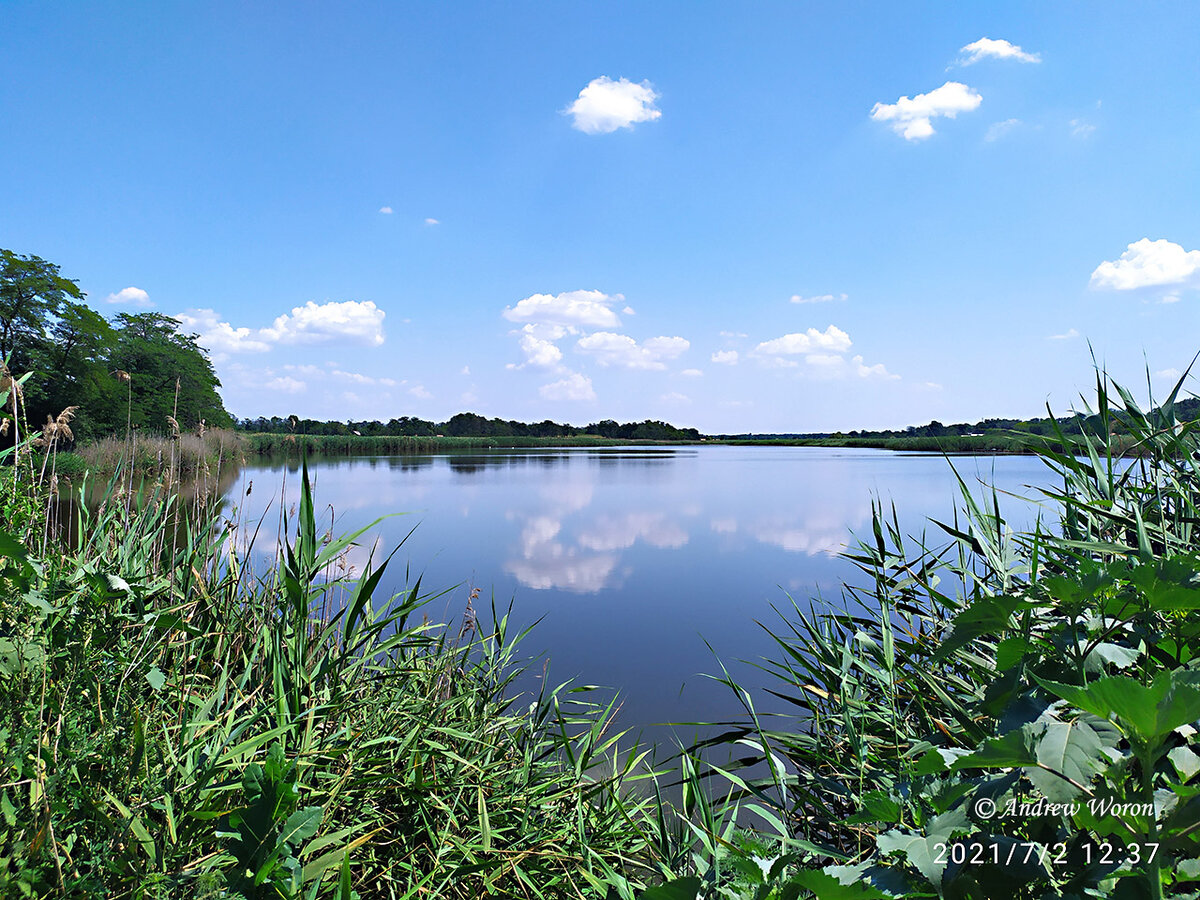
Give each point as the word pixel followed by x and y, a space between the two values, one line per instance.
pixel 81 359
pixel 174 724
pixel 992 714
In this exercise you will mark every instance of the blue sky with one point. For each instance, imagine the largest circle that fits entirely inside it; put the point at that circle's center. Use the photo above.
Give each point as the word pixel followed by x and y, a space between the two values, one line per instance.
pixel 777 217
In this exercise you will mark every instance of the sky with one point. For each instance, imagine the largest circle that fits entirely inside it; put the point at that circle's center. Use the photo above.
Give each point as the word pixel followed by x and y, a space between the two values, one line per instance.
pixel 770 217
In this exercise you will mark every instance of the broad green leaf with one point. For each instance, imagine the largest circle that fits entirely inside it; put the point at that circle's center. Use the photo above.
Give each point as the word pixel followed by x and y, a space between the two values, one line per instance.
pixel 826 886
pixel 1072 749
pixel 156 678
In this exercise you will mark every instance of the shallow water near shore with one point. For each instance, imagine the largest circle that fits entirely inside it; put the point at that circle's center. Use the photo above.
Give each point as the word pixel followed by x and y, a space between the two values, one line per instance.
pixel 633 562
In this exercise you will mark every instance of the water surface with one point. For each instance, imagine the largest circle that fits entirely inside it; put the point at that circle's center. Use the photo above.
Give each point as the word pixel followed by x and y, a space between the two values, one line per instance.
pixel 633 558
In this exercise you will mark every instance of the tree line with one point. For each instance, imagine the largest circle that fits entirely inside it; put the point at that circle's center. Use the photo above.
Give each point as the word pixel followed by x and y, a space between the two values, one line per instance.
pixel 133 370
pixel 470 425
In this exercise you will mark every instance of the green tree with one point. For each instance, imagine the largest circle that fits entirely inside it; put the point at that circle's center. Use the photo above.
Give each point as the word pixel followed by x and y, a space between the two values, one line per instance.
pixel 31 292
pixel 161 360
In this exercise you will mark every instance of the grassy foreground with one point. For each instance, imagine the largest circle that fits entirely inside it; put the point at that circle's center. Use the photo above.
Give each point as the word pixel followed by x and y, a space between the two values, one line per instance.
pixel 989 714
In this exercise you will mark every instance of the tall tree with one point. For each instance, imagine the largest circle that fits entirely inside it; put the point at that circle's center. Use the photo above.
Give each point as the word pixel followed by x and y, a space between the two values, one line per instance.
pixel 31 292
pixel 162 360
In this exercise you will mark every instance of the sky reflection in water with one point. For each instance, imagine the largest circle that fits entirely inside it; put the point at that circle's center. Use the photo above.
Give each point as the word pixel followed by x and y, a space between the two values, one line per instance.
pixel 633 560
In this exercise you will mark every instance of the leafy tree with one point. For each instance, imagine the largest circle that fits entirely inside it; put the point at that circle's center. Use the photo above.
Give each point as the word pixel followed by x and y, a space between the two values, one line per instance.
pixel 31 292
pixel 163 362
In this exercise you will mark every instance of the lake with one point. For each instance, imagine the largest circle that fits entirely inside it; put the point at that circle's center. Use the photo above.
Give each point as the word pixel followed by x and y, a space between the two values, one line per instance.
pixel 631 559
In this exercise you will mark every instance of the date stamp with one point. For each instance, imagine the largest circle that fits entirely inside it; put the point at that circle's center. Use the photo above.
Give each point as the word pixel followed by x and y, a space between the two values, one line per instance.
pixel 983 852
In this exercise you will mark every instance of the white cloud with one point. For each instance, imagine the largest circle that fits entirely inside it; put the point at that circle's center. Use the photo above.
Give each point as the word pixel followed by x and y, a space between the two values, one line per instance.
pixel 731 335
pixel 621 350
pixel 1170 298
pixel 628 311
pixel 432 222
pixel 286 384
pixel 606 105
pixel 876 371
pixel 355 377
pixel 986 48
pixel 130 296
pixel 355 320
pixel 573 387
pixel 1147 263
pixel 217 336
pixel 1081 128
pixel 1171 374
pixel 998 130
pixel 725 357
pixel 1065 336
pixel 691 373
pixel 466 370
pixel 675 397
pixel 820 298
pixel 419 392
pixel 386 210
pixel 352 320
pixel 832 339
pixel 538 352
pixel 572 309
pixel 911 118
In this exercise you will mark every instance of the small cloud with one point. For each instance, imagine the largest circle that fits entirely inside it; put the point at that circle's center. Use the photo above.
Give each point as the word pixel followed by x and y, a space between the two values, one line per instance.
pixel 573 387
pixel 538 352
pixel 432 222
pixel 998 130
pixel 691 373
pixel 1081 129
pixel 573 309
pixel 606 105
pixel 419 392
pixel 675 397
pixel 1147 263
pixel 469 397
pixel 876 371
pixel 912 118
pixel 466 370
pixel 986 48
pixel 731 335
pixel 832 339
pixel 1171 374
pixel 820 298
pixel 932 385
pixel 611 349
pixel 130 296
pixel 628 311
pixel 1170 298
pixel 1067 335
pixel 286 384
pixel 386 210
pixel 725 357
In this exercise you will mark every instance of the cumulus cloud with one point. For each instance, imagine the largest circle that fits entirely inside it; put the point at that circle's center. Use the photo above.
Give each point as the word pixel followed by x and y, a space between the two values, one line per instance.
pixel 912 117
pixel 986 48
pixel 386 210
pixel 1147 263
pixel 432 222
pixel 862 370
pixel 217 336
pixel 725 357
pixel 819 298
pixel 130 296
pixel 621 350
pixel 998 130
pixel 572 309
pixel 606 105
pixel 359 322
pixel 573 387
pixel 832 339
pixel 691 373
pixel 1065 336
pixel 538 352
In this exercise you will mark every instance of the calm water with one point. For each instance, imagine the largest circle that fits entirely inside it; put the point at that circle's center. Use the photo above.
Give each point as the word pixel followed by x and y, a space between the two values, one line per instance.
pixel 633 559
